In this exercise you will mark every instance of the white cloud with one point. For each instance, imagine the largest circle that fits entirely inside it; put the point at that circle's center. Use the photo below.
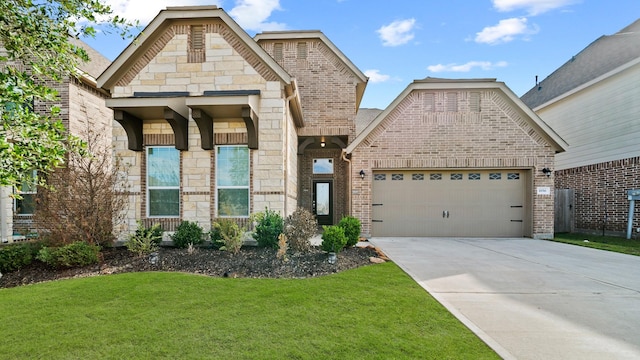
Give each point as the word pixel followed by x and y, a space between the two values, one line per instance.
pixel 505 31
pixel 397 33
pixel 252 14
pixel 533 7
pixel 375 76
pixel 145 11
pixel 484 65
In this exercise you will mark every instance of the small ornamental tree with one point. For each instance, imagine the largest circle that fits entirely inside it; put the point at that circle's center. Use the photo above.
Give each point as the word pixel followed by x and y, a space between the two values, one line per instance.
pixel 86 198
pixel 333 239
pixel 352 228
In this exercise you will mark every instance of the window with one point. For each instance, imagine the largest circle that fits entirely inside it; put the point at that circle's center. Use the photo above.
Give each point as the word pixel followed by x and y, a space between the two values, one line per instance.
pixel 397 177
pixel 435 176
pixel 27 192
pixel 232 181
pixel 417 177
pixel 474 176
pixel 380 177
pixel 513 176
pixel 495 176
pixel 163 181
pixel 456 176
pixel 323 166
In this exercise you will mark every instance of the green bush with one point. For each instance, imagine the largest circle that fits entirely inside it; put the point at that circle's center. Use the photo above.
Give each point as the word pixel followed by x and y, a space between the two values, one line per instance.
pixel 228 235
pixel 352 228
pixel 145 240
pixel 73 255
pixel 16 256
pixel 299 228
pixel 333 238
pixel 187 233
pixel 270 225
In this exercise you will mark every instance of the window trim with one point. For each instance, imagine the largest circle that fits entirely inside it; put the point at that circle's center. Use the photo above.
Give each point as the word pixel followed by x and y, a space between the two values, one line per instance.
pixel 149 187
pixel 247 187
pixel 21 192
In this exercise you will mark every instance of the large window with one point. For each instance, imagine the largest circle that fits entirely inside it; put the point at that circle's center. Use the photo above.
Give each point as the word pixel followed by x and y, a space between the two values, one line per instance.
pixel 26 204
pixel 232 181
pixel 163 181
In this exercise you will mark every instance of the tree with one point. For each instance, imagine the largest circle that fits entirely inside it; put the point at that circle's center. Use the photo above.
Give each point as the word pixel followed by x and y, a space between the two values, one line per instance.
pixel 87 198
pixel 35 51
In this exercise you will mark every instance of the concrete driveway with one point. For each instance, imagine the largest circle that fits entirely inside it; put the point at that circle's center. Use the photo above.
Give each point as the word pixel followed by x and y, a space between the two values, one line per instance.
pixel 531 299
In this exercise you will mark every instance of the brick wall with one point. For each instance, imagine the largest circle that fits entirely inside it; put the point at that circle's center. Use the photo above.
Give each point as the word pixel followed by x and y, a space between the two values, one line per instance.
pixel 601 194
pixel 327 87
pixel 413 136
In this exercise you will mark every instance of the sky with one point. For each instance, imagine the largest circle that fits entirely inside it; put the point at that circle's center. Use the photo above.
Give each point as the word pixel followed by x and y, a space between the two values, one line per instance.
pixel 397 42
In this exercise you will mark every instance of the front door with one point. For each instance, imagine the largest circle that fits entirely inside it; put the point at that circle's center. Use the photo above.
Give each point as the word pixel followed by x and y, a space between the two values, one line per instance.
pixel 322 201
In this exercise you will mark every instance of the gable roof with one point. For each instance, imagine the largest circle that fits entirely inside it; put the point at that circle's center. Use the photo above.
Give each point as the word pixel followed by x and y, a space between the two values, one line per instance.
pixel 317 34
pixel 602 58
pixel 164 20
pixel 430 83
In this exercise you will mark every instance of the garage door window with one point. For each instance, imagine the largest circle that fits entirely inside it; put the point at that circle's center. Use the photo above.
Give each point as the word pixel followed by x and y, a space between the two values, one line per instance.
pixel 474 176
pixel 495 176
pixel 380 177
pixel 397 177
pixel 417 177
pixel 513 176
pixel 435 176
pixel 456 176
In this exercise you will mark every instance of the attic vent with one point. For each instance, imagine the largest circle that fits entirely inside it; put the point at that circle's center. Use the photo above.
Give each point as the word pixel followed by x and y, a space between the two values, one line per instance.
pixel 452 102
pixel 196 44
pixel 428 102
pixel 277 51
pixel 302 51
pixel 474 102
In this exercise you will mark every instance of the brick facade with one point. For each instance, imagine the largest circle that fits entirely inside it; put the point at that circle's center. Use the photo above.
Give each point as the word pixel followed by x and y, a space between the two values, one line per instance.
pixel 423 134
pixel 600 192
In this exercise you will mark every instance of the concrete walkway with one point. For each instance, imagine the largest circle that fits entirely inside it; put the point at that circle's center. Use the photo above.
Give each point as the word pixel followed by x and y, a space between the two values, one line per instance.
pixel 531 299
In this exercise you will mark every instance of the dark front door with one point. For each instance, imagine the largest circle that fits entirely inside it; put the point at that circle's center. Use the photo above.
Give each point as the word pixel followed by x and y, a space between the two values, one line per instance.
pixel 322 201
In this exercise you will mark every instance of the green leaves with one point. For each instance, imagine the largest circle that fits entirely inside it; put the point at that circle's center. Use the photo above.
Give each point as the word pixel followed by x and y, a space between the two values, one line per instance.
pixel 35 56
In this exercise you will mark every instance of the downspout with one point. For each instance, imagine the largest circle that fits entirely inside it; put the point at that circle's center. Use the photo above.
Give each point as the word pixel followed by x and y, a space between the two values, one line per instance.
pixel 349 189
pixel 5 230
pixel 286 151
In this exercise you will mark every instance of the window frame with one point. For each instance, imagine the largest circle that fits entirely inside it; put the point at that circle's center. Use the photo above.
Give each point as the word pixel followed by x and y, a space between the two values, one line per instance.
pixel 149 187
pixel 218 187
pixel 317 161
pixel 33 191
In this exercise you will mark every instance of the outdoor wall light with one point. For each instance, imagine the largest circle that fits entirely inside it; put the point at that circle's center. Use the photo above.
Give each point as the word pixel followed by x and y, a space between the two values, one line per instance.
pixel 547 171
pixel 322 142
pixel 362 174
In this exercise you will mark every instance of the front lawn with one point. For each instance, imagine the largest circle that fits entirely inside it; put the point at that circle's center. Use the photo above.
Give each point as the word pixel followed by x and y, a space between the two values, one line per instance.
pixel 373 312
pixel 610 243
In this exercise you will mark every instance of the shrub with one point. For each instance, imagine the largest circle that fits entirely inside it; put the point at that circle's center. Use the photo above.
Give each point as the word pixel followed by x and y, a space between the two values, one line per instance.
pixel 87 198
pixel 352 228
pixel 299 228
pixel 283 246
pixel 270 225
pixel 73 255
pixel 16 256
pixel 333 238
pixel 187 232
pixel 228 235
pixel 145 240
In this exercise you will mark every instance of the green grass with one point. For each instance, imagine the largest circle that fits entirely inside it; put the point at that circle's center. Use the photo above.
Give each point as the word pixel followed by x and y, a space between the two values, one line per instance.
pixel 610 243
pixel 374 312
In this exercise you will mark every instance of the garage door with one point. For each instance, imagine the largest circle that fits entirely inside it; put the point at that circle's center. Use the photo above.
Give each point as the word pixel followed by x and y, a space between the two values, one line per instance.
pixel 487 203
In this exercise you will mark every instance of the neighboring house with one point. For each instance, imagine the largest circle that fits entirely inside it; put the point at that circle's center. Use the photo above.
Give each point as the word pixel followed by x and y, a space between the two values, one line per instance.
pixel 82 107
pixel 593 102
pixel 217 124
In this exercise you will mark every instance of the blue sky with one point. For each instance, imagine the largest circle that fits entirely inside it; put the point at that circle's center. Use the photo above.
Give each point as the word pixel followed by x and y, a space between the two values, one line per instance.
pixel 396 42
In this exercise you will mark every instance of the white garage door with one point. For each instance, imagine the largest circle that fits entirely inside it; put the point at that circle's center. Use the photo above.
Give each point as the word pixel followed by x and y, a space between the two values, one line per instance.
pixel 487 203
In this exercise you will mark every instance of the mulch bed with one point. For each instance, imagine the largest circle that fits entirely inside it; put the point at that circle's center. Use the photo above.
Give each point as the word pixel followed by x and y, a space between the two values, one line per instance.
pixel 250 262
